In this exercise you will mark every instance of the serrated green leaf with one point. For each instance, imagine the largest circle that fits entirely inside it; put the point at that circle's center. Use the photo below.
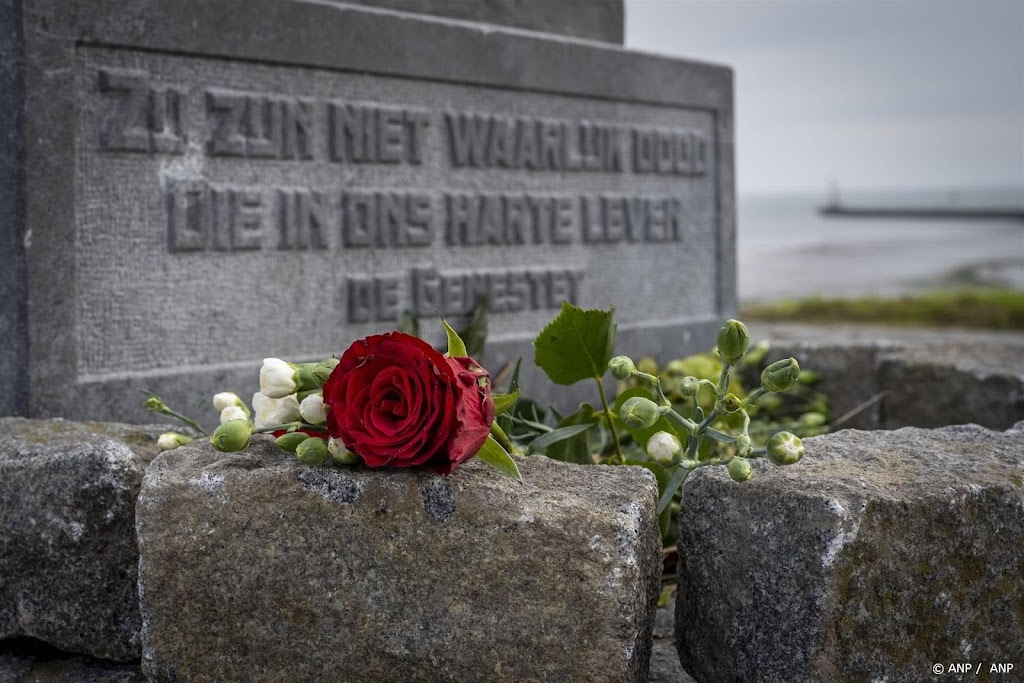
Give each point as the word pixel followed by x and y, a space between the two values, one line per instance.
pixel 576 345
pixel 497 457
pixel 542 442
pixel 504 402
pixel 576 449
pixel 456 347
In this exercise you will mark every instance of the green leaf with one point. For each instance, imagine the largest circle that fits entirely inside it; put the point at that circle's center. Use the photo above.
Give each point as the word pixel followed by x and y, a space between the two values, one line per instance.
pixel 674 483
pixel 576 345
pixel 504 402
pixel 541 443
pixel 577 448
pixel 497 457
pixel 475 332
pixel 456 347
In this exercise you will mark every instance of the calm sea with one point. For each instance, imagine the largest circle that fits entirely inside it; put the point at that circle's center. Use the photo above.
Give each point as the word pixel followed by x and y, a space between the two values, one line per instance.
pixel 786 249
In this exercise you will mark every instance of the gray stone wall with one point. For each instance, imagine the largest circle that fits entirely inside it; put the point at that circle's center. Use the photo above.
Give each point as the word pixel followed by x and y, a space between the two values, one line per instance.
pixel 592 19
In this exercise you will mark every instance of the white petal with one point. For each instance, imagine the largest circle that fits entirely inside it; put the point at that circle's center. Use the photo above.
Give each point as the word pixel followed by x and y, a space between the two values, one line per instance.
pixel 232 413
pixel 663 446
pixel 167 441
pixel 277 378
pixel 313 409
pixel 274 411
pixel 226 399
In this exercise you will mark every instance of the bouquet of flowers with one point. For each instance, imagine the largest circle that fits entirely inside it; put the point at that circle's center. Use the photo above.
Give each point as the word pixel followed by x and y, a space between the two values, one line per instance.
pixel 390 400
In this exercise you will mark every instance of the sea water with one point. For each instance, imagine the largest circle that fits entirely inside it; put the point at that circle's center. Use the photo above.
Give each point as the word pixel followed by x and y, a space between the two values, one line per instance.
pixel 788 250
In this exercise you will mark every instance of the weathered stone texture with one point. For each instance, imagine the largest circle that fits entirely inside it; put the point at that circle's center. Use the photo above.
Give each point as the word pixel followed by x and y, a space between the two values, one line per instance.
pixel 254 566
pixel 917 378
pixel 593 19
pixel 68 557
pixel 878 555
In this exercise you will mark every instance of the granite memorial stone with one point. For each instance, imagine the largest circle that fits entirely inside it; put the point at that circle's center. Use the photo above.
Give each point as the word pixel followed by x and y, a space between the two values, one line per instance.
pixel 190 186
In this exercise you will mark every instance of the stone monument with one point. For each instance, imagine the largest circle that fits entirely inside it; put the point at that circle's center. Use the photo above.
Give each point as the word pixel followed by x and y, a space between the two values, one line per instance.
pixel 187 187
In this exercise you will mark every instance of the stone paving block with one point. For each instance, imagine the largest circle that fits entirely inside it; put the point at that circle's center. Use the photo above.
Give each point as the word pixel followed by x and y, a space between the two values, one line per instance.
pixel 68 555
pixel 257 567
pixel 878 555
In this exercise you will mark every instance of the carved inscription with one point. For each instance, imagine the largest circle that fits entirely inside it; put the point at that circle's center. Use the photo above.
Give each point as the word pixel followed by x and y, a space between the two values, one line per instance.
pixel 259 126
pixel 139 115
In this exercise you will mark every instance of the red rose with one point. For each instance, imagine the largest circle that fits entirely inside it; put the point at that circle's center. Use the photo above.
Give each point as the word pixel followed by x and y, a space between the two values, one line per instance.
pixel 397 402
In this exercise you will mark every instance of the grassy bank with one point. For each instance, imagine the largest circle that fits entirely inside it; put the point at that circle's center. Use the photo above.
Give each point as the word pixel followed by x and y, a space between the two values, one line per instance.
pixel 985 309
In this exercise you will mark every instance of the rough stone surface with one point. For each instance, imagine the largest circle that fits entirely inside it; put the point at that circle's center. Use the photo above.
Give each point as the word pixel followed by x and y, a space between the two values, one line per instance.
pixel 337 162
pixel 953 383
pixel 918 378
pixel 68 556
pixel 876 556
pixel 23 661
pixel 256 566
pixel 593 19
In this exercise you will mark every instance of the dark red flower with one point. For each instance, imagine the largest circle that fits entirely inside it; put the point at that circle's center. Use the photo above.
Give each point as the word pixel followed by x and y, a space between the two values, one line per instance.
pixel 397 402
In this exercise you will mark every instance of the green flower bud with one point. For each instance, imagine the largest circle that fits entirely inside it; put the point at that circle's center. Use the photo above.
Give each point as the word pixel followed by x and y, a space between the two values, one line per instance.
pixel 780 375
pixel 639 412
pixel 733 341
pixel 291 441
pixel 323 370
pixel 312 451
pixel 688 464
pixel 740 469
pixel 689 386
pixel 730 403
pixel 154 403
pixel 622 367
pixel 742 444
pixel 232 436
pixel 168 441
pixel 341 454
pixel 784 448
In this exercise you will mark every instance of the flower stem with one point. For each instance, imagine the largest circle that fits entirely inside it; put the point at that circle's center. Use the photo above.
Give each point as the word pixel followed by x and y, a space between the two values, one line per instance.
pixel 288 425
pixel 611 422
pixel 181 418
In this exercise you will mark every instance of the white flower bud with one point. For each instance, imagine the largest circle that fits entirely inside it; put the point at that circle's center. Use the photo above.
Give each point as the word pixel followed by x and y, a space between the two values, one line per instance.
pixel 313 410
pixel 274 411
pixel 341 454
pixel 277 378
pixel 168 441
pixel 226 399
pixel 230 413
pixel 663 446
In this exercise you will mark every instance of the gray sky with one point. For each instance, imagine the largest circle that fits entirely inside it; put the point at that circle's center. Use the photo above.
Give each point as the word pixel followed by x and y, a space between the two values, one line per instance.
pixel 873 94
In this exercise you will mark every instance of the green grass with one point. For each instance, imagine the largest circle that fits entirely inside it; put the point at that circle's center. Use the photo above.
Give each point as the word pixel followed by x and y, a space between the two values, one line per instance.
pixel 994 309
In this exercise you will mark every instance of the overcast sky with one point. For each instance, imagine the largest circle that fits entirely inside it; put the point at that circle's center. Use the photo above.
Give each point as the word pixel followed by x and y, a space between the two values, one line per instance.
pixel 869 93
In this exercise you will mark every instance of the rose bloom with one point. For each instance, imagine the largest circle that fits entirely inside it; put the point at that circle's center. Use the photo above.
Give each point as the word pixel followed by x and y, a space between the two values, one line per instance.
pixel 397 402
